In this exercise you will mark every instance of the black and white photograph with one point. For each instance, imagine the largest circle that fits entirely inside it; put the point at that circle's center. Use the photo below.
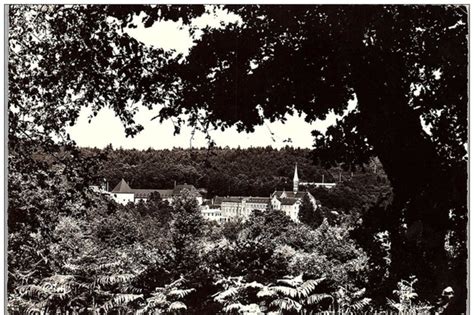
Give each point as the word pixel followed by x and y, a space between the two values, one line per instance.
pixel 236 159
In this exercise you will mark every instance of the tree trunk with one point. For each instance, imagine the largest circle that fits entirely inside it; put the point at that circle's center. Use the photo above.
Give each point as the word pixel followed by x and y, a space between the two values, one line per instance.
pixel 419 216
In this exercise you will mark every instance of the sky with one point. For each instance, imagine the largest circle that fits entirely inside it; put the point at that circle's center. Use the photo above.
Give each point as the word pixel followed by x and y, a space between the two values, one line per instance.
pixel 106 128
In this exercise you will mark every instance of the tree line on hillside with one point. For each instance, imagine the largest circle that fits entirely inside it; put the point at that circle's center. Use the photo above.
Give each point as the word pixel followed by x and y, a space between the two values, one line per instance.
pixel 222 171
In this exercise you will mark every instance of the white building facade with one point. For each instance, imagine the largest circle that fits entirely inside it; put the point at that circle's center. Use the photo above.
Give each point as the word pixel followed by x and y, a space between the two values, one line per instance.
pixel 289 202
pixel 211 214
pixel 123 194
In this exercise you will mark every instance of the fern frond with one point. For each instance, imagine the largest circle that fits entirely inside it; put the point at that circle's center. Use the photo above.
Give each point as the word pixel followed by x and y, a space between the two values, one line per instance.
pixel 63 295
pixel 359 294
pixel 55 287
pixel 221 296
pixel 233 307
pixel 37 308
pixel 156 299
pixel 109 265
pixel 33 290
pixel 251 309
pixel 72 267
pixel 176 283
pixel 360 305
pixel 265 291
pixel 59 290
pixel 395 305
pixel 115 279
pixel 177 306
pixel 60 279
pixel 308 286
pixel 131 289
pixel 317 298
pixel 181 293
pixel 423 308
pixel 286 304
pixel 121 300
pixel 286 291
pixel 411 295
pixel 293 282
pixel 229 280
pixel 254 284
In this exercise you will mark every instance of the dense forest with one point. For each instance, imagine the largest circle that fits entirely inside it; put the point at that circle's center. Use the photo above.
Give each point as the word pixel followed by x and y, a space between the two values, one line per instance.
pixel 226 171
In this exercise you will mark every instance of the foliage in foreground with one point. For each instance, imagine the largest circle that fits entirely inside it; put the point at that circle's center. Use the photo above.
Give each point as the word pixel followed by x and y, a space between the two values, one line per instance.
pixel 178 263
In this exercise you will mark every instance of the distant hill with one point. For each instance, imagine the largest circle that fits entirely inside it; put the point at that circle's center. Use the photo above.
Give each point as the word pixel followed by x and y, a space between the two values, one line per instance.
pixel 223 171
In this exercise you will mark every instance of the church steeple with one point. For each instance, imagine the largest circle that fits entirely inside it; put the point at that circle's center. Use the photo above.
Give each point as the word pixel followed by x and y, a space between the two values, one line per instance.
pixel 295 179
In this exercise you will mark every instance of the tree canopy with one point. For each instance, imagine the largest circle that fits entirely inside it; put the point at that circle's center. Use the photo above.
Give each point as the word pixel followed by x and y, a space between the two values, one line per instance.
pixel 309 213
pixel 405 65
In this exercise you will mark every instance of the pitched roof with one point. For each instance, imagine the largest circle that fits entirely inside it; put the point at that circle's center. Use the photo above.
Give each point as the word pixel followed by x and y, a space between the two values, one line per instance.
pixel 288 201
pixel 122 187
pixel 259 200
pixel 145 193
pixel 289 194
pixel 217 200
pixel 232 199
pixel 179 188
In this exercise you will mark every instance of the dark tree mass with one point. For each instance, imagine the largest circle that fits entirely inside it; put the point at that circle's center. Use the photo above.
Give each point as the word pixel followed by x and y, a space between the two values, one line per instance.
pixel 314 59
pixel 405 65
pixel 221 171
